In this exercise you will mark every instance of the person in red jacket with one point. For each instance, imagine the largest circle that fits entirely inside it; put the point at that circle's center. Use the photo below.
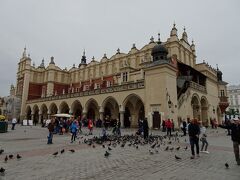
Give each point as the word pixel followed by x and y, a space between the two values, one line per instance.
pixel 169 127
pixel 90 126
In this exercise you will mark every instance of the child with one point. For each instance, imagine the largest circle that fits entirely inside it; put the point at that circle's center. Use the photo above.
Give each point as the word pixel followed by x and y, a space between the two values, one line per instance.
pixel 204 140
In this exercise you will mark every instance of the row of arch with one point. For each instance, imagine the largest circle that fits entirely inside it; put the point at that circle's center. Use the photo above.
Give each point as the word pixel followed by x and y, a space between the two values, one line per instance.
pixel 201 108
pixel 129 111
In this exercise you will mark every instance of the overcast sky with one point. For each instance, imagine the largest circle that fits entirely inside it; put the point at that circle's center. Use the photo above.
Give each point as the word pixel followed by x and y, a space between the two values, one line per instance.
pixel 64 28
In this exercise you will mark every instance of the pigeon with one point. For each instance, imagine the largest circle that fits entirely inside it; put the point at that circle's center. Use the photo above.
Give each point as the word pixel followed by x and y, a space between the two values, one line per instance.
pixel 18 156
pixel 109 148
pixel 72 150
pixel 136 147
pixel 158 145
pixel 93 146
pixel 156 151
pixel 122 145
pixel 103 146
pixel 178 148
pixel 226 165
pixel 2 170
pixel 186 148
pixel 178 158
pixel 62 151
pixel 153 146
pixel 6 159
pixel 106 154
pixel 10 156
pixel 55 154
pixel 1 151
pixel 166 149
pixel 151 153
pixel 171 149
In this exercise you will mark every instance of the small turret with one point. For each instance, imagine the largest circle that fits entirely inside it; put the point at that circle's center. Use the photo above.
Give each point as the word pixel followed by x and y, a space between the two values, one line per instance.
pixel 219 74
pixel 42 64
pixel 173 31
pixel 52 60
pixel 184 35
pixel 83 60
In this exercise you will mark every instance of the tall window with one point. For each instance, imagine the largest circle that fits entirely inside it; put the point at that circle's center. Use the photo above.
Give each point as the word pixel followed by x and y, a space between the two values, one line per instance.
pixel 222 93
pixel 125 76
pixel 109 83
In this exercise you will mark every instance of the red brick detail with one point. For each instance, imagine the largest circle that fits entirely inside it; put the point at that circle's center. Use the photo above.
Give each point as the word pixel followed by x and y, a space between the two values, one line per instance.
pixel 58 88
pixel 35 91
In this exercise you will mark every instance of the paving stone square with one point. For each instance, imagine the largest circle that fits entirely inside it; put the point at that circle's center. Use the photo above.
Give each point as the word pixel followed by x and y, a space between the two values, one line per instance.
pixel 129 163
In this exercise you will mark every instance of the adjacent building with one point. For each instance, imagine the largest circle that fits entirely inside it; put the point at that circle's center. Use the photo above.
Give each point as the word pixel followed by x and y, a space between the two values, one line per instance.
pixel 161 80
pixel 234 99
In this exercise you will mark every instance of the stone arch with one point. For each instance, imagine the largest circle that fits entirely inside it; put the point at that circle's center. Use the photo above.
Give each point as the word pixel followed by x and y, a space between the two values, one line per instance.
pixel 204 111
pixel 52 109
pixel 28 112
pixel 64 108
pixel 92 109
pixel 44 112
pixel 195 102
pixel 76 108
pixel 35 113
pixel 111 108
pixel 133 110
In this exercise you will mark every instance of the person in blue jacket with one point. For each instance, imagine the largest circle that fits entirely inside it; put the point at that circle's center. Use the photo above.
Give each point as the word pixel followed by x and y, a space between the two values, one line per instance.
pixel 74 129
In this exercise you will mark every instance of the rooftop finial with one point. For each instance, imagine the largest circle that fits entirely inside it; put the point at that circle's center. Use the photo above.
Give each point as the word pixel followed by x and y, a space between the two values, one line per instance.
pixel 84 52
pixel 134 46
pixel 24 52
pixel 105 55
pixel 174 24
pixel 184 29
pixel 151 39
pixel 118 51
pixel 93 58
pixel 217 67
pixel 159 42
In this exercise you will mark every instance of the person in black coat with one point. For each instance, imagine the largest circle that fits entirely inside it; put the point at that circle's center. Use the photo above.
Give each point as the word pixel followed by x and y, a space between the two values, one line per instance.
pixel 145 128
pixel 193 132
pixel 234 126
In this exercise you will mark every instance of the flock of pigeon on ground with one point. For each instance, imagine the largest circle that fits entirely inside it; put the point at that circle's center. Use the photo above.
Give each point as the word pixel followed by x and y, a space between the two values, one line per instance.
pixel 110 142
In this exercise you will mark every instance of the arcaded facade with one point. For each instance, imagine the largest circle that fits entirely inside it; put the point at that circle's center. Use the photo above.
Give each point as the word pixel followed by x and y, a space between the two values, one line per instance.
pixel 159 81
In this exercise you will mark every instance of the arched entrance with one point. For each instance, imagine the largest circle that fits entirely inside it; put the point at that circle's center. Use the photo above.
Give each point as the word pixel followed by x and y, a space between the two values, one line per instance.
pixel 92 109
pixel 64 108
pixel 44 111
pixel 28 113
pixel 76 108
pixel 134 110
pixel 53 109
pixel 111 108
pixel 196 107
pixel 35 114
pixel 204 111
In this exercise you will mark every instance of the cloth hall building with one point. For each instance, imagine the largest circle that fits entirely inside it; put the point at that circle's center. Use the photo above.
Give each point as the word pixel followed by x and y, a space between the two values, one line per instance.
pixel 159 81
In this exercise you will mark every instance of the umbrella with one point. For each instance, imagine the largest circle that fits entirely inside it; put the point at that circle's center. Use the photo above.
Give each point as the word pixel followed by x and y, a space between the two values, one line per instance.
pixel 63 115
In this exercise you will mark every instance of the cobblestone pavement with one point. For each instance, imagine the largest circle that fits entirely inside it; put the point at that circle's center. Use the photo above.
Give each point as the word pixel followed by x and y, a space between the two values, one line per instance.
pixel 123 163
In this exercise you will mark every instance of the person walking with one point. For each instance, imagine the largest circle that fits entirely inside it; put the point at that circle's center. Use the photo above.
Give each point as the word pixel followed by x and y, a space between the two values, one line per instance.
pixel 169 127
pixel 90 126
pixel 184 127
pixel 51 130
pixel 73 129
pixel 234 125
pixel 193 132
pixel 204 139
pixel 14 122
pixel 145 128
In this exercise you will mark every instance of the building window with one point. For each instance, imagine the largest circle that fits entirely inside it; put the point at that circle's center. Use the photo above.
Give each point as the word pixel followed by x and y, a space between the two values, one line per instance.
pixel 222 93
pixel 86 88
pixel 125 76
pixel 96 86
pixel 109 83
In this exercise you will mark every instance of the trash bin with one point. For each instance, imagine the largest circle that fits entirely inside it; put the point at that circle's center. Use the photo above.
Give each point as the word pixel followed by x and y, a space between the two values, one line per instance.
pixel 3 126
